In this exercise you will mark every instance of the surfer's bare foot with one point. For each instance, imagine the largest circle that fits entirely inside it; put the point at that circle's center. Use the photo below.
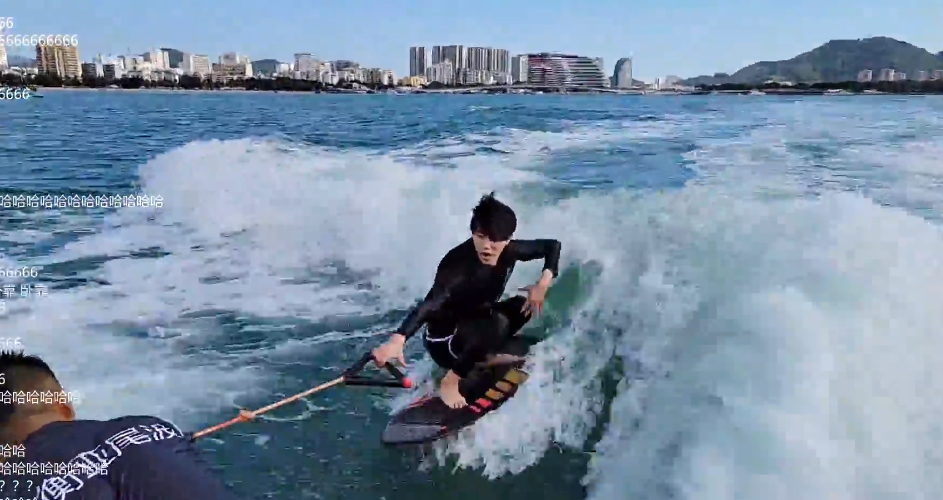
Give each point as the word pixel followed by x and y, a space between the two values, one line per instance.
pixel 448 391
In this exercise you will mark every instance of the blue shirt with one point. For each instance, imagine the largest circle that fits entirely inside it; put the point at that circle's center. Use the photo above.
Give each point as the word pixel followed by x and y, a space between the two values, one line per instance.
pixel 128 458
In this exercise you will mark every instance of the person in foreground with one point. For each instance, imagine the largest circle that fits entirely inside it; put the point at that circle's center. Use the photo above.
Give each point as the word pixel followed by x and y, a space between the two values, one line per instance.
pixel 136 457
pixel 465 322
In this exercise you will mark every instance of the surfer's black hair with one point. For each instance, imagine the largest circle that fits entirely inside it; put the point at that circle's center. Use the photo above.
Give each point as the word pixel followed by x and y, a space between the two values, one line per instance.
pixel 20 373
pixel 493 219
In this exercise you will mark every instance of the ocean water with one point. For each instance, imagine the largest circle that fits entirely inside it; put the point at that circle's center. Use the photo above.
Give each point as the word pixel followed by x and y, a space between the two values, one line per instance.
pixel 749 306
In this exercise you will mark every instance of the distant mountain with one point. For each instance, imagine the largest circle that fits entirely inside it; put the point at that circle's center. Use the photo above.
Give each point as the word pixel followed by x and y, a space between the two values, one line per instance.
pixel 836 61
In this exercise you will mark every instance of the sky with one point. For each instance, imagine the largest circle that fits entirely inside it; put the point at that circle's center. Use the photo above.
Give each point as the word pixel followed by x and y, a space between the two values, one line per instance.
pixel 670 37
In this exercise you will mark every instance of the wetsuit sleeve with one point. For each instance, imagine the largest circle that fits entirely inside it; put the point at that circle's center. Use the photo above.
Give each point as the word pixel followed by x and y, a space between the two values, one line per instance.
pixel 447 277
pixel 549 250
pixel 168 471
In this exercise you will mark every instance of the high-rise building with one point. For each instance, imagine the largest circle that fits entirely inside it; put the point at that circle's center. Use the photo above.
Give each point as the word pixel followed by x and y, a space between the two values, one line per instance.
pixel 865 75
pixel 519 69
pixel 159 59
pixel 499 60
pixel 488 59
pixel 900 76
pixel 3 53
pixel 457 54
pixel 201 64
pixel 58 60
pixel 195 64
pixel 92 70
pixel 417 61
pixel 112 71
pixel 602 67
pixel 922 76
pixel 174 57
pixel 307 66
pixel 486 65
pixel 563 70
pixel 622 73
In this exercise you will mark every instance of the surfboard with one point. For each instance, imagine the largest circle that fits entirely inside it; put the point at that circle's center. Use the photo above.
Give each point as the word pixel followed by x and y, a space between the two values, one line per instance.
pixel 485 390
pixel 429 419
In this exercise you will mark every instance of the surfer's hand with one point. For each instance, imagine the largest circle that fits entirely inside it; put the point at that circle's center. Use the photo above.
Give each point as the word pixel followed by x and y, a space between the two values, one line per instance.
pixel 391 350
pixel 535 298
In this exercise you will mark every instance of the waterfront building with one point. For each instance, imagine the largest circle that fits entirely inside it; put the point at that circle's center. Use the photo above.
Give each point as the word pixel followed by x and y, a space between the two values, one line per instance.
pixel 441 72
pixel 307 66
pixel 378 76
pixel 519 69
pixel 112 71
pixel 159 59
pixel 865 75
pixel 456 54
pixel 413 81
pixel 417 61
pixel 900 76
pixel 59 60
pixel 196 64
pixel 92 70
pixel 232 66
pixel 174 57
pixel 477 77
pixel 622 73
pixel 265 67
pixel 937 74
pixel 488 59
pixel 922 76
pixel 887 75
pixel 564 70
pixel 351 74
pixel 225 73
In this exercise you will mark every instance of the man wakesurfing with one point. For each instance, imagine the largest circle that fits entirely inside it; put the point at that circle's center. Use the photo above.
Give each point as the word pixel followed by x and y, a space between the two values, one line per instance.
pixel 466 324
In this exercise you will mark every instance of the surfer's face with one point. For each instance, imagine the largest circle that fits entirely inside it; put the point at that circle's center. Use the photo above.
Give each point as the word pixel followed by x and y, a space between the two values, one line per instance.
pixel 488 251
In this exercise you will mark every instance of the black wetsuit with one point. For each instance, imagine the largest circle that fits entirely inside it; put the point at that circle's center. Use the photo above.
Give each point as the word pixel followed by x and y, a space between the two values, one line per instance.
pixel 464 320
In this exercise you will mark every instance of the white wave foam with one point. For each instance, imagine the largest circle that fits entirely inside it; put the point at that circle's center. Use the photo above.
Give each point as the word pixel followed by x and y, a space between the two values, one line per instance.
pixel 242 221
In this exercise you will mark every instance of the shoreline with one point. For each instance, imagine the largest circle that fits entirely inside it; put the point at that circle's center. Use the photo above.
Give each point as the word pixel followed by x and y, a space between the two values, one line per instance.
pixel 493 91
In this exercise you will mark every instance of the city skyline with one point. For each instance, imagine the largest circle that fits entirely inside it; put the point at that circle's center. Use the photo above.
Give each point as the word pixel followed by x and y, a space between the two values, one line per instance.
pixel 686 38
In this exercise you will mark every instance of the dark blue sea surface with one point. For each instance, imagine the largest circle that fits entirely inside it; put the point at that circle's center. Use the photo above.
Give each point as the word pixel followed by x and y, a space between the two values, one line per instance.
pixel 745 282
